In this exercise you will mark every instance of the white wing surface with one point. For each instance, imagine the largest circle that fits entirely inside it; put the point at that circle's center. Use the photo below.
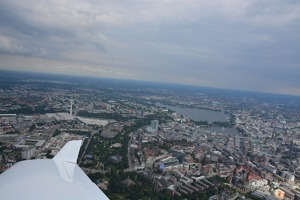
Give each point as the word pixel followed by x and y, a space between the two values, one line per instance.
pixel 59 178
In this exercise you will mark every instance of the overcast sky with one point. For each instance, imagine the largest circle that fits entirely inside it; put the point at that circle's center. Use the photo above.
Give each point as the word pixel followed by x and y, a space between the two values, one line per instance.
pixel 238 44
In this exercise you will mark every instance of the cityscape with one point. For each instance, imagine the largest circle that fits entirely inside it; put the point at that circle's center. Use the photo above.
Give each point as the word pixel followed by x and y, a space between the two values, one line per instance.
pixel 144 140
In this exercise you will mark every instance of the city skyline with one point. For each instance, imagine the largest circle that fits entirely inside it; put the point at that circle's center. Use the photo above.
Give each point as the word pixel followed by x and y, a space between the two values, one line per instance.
pixel 180 142
pixel 244 45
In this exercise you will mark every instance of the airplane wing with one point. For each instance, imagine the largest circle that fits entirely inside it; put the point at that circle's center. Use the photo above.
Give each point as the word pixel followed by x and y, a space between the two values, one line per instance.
pixel 57 178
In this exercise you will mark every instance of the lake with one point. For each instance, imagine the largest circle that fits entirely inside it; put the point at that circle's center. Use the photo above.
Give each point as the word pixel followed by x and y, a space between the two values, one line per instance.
pixel 222 130
pixel 199 114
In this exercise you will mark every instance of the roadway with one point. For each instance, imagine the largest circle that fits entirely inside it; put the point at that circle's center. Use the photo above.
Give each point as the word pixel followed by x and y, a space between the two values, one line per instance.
pixel 86 146
pixel 130 165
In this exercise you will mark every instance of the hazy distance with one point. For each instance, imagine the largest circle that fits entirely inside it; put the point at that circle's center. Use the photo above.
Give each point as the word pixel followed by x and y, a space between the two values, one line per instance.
pixel 246 45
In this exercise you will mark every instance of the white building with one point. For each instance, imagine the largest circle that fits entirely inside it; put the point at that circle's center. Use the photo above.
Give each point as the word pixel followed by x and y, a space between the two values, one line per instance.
pixel 288 176
pixel 258 183
pixel 28 153
pixel 270 168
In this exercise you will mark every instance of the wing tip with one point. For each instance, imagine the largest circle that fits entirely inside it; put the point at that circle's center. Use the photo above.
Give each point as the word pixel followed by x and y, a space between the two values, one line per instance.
pixel 69 152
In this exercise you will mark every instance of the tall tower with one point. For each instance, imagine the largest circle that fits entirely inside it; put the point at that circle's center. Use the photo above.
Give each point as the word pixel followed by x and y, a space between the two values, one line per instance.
pixel 291 150
pixel 71 108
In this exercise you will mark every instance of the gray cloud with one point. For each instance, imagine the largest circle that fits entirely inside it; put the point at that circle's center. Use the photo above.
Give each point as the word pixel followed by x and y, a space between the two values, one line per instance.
pixel 250 45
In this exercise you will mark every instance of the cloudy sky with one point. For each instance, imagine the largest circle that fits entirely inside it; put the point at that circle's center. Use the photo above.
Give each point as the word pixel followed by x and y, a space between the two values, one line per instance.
pixel 238 44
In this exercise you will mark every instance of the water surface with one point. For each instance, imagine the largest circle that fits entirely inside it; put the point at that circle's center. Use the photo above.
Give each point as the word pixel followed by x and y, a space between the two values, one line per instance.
pixel 199 114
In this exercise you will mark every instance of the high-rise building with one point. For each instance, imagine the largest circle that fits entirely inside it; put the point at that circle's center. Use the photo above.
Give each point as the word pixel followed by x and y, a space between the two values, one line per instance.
pixel 142 113
pixel 154 125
